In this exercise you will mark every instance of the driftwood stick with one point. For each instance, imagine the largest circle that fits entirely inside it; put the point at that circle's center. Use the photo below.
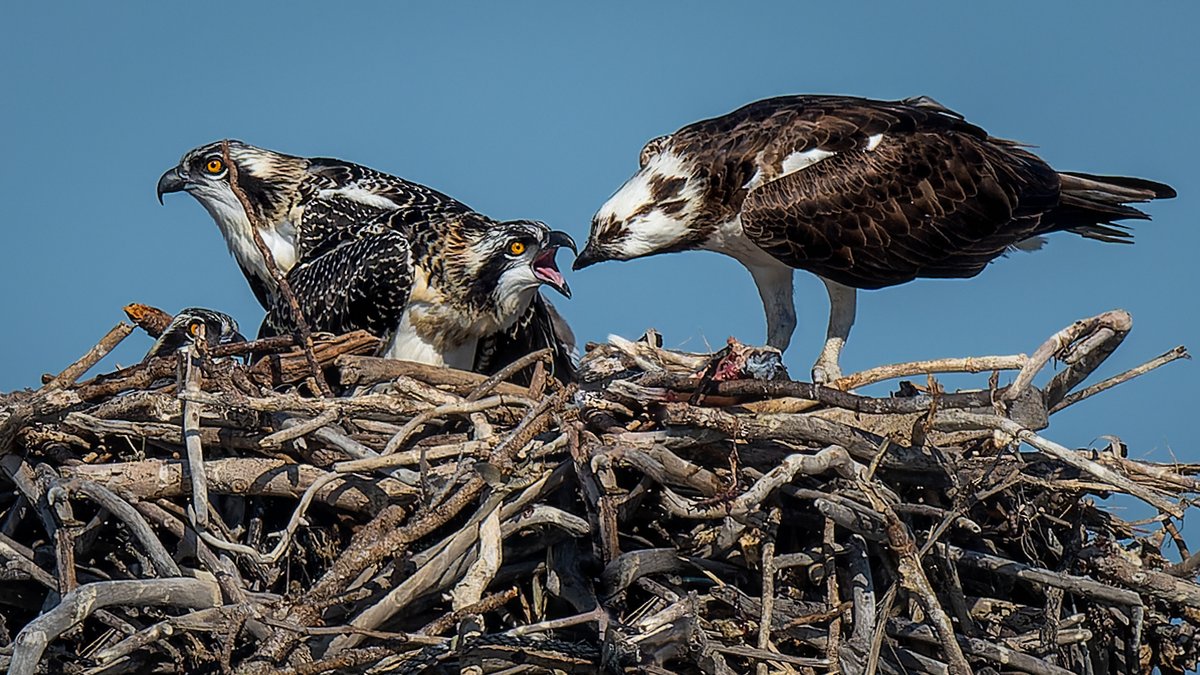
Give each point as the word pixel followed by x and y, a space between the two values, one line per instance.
pixel 913 578
pixel 23 561
pixel 981 648
pixel 655 388
pixel 1116 320
pixel 1073 584
pixel 257 477
pixel 960 419
pixel 52 396
pixel 832 597
pixel 542 355
pixel 268 345
pixel 1153 583
pixel 452 618
pixel 798 428
pixel 192 438
pixel 77 605
pixel 768 587
pixel 862 584
pixel 232 585
pixel 301 429
pixel 210 619
pixel 970 364
pixel 1071 399
pixel 114 504
pixel 285 536
pixel 457 408
pixel 73 372
pixel 366 370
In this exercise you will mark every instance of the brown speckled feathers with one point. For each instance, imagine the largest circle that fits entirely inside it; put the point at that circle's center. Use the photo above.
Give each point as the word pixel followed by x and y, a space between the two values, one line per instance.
pixel 895 191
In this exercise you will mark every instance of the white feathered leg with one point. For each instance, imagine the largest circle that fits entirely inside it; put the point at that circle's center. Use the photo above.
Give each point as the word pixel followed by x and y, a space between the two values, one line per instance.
pixel 843 301
pixel 775 288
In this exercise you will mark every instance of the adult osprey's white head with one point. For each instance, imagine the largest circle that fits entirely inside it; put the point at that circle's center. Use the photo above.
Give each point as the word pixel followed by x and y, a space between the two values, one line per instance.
pixel 661 209
pixel 863 193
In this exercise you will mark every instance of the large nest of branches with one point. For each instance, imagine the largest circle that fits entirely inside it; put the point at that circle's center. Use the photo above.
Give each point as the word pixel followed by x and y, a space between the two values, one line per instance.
pixel 669 513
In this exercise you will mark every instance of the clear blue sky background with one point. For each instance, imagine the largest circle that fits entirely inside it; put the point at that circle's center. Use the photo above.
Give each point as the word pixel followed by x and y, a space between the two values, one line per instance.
pixel 539 109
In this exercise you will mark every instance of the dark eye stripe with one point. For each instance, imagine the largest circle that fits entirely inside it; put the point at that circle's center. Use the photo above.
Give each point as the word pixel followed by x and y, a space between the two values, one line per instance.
pixel 673 206
pixel 662 188
pixel 643 211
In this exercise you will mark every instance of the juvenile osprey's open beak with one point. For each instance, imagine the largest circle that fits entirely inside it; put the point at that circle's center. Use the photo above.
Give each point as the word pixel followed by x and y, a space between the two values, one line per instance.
pixel 544 266
pixel 171 181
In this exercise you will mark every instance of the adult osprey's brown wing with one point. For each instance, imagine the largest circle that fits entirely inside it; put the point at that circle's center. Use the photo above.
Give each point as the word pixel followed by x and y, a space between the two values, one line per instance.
pixel 905 204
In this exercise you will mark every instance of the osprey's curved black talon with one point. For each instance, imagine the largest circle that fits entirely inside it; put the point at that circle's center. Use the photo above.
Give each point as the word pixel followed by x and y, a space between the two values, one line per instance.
pixel 863 193
pixel 373 251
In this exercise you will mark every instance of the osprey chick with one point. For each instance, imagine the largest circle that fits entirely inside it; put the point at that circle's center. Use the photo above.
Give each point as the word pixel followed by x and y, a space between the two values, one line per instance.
pixel 184 329
pixel 432 289
pixel 304 208
pixel 863 193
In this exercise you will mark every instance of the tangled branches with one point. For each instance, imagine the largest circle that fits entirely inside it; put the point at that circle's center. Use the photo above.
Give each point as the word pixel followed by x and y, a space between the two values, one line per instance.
pixel 194 514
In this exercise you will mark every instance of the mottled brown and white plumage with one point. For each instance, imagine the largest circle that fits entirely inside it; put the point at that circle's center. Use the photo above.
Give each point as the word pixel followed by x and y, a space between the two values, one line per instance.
pixel 863 193
pixel 364 249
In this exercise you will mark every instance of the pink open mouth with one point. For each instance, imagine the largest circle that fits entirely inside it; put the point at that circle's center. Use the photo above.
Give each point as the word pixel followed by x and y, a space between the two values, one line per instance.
pixel 546 269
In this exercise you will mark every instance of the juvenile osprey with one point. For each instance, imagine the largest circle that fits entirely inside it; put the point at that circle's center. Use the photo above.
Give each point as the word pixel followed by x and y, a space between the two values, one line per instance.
pixel 863 193
pixel 321 213
pixel 184 329
pixel 433 289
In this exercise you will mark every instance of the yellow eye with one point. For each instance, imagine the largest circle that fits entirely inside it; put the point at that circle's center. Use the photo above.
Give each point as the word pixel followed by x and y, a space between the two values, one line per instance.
pixel 194 328
pixel 214 165
pixel 516 248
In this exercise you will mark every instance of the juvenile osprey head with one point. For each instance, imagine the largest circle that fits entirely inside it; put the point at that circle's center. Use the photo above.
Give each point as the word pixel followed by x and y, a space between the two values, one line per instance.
pixel 270 180
pixel 496 268
pixel 271 183
pixel 471 277
pixel 658 210
pixel 184 329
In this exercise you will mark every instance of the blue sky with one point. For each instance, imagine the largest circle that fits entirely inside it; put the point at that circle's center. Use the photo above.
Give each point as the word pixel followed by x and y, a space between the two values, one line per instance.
pixel 539 109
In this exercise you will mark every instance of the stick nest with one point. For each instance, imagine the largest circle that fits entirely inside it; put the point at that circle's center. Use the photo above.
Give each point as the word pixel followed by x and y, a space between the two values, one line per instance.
pixel 668 513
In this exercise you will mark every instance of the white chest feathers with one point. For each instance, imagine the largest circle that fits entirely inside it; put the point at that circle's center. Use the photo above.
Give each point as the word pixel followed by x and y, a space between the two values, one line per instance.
pixel 409 344
pixel 235 227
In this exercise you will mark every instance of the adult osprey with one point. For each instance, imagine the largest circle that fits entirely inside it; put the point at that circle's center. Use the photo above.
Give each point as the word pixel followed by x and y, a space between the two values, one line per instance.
pixel 863 193
pixel 352 240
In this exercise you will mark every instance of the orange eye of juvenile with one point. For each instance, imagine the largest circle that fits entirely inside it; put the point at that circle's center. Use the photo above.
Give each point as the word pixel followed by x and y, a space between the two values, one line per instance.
pixel 516 248
pixel 214 165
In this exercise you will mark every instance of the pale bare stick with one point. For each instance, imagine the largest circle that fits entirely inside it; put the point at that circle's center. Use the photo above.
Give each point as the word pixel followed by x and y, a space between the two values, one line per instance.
pixel 1117 320
pixel 1175 354
pixel 191 436
pixel 958 419
pixel 51 397
pixel 75 606
pixel 970 364
pixel 768 588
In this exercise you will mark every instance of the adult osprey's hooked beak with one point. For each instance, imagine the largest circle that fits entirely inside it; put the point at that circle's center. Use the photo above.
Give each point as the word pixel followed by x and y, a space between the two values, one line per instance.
pixel 588 258
pixel 171 181
pixel 544 266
